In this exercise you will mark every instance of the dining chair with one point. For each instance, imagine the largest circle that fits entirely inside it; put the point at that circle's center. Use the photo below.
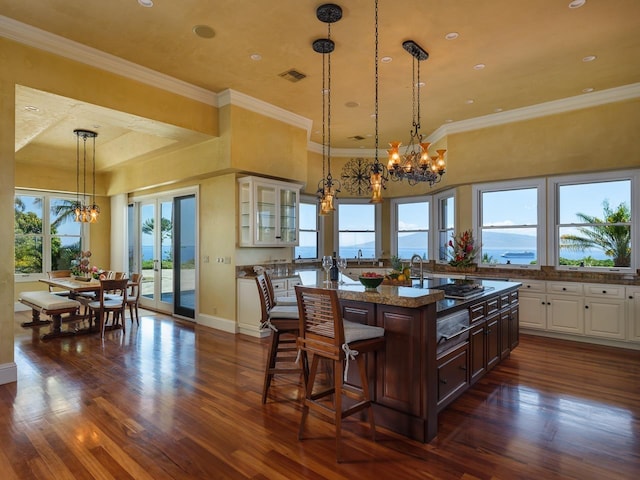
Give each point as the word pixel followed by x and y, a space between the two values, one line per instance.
pixel 59 274
pixel 283 323
pixel 133 296
pixel 325 335
pixel 106 303
pixel 282 301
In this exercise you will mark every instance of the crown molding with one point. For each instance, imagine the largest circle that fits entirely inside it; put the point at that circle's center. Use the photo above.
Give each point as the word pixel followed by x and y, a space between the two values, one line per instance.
pixel 42 40
pixel 233 97
pixel 554 107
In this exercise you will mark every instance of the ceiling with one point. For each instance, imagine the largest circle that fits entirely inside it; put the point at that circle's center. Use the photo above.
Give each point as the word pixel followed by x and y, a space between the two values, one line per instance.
pixel 533 52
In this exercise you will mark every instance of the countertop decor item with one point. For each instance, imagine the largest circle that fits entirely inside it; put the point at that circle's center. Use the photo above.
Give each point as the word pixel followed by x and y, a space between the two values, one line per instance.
pixel 371 282
pixel 463 250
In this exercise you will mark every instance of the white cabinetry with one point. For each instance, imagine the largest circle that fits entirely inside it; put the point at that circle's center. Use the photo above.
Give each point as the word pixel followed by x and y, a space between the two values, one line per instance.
pixel 633 313
pixel 604 314
pixel 533 305
pixel 248 309
pixel 599 313
pixel 565 307
pixel 268 212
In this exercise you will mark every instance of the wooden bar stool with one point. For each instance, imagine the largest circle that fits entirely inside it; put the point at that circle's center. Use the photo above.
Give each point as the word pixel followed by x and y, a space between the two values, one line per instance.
pixel 284 324
pixel 325 335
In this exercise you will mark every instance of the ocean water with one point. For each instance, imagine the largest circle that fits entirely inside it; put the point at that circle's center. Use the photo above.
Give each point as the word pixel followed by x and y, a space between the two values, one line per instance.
pixel 496 254
pixel 187 252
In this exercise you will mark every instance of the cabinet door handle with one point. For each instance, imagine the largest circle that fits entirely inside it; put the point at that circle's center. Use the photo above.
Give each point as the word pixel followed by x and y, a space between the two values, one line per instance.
pixel 463 367
pixel 443 380
pixel 586 306
pixel 564 288
pixel 604 291
pixel 543 303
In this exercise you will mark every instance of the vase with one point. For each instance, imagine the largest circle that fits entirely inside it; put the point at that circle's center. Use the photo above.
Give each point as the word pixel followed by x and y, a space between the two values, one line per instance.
pixel 462 268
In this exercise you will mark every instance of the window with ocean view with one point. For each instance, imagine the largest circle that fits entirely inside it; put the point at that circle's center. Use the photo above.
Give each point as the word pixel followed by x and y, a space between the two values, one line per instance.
pixel 356 232
pixel 309 232
pixel 511 223
pixel 446 223
pixel 594 221
pixel 410 225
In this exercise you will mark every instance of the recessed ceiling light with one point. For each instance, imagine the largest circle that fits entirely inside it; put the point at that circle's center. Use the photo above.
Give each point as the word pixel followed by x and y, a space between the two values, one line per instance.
pixel 448 120
pixel 31 108
pixel 373 115
pixel 497 110
pixel 146 3
pixel 587 90
pixel 325 91
pixel 256 57
pixel 203 31
pixel 479 66
pixel 451 36
pixel 577 3
pixel 386 59
pixel 369 135
pixel 470 101
pixel 420 84
pixel 352 104
pixel 589 58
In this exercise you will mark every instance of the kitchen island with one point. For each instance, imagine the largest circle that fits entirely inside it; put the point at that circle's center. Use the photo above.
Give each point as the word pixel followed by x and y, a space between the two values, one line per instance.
pixel 435 348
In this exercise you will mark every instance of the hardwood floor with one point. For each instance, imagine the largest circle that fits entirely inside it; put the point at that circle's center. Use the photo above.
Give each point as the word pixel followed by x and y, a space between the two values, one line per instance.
pixel 170 400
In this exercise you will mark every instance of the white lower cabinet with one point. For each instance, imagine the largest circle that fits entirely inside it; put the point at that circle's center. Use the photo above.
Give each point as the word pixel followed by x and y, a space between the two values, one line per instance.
pixel 590 310
pixel 248 308
pixel 633 313
pixel 605 311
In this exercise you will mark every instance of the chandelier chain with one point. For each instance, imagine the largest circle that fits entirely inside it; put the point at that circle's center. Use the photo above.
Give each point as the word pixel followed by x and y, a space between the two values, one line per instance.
pixel 376 80
pixel 329 108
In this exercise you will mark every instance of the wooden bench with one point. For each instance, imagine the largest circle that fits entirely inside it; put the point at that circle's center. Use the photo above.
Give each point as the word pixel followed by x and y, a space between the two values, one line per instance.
pixel 48 304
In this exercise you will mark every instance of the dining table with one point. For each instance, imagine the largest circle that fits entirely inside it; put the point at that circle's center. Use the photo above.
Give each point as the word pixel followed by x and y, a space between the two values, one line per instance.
pixel 79 289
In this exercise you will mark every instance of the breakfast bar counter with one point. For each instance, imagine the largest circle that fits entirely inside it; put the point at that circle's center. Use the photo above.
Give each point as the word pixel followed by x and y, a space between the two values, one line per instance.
pixel 435 347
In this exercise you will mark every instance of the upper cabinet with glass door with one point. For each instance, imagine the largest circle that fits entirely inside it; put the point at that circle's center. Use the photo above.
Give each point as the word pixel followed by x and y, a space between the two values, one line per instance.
pixel 268 212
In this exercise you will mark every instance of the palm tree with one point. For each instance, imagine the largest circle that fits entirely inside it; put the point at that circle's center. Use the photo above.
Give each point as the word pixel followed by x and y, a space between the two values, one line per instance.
pixel 612 235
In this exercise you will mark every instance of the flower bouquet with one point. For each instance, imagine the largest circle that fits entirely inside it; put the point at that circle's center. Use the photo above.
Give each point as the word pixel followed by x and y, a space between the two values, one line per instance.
pixel 464 250
pixel 81 270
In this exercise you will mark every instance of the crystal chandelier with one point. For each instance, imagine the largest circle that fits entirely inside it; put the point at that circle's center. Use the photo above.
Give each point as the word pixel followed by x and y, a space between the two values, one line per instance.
pixel 83 211
pixel 328 188
pixel 415 164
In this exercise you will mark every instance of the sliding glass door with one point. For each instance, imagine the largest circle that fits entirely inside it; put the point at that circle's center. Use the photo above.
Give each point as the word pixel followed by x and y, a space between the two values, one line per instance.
pixel 162 246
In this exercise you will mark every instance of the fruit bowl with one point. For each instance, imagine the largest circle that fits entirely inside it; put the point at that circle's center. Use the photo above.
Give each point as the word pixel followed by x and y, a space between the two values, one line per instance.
pixel 371 282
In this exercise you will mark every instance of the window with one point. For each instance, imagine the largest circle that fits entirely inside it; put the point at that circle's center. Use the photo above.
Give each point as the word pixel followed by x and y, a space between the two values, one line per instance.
pixel 309 230
pixel 446 223
pixel 46 237
pixel 594 222
pixel 410 227
pixel 357 235
pixel 511 224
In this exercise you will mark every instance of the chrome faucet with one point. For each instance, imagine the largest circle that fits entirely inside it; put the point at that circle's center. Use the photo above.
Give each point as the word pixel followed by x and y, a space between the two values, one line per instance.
pixel 419 258
pixel 359 255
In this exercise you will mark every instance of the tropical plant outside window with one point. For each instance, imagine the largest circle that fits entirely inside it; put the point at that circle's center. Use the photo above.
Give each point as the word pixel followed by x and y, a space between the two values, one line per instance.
pixel 46 237
pixel 594 228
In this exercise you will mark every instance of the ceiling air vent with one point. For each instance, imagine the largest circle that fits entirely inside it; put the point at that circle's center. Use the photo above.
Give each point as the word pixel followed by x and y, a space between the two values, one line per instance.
pixel 356 137
pixel 293 75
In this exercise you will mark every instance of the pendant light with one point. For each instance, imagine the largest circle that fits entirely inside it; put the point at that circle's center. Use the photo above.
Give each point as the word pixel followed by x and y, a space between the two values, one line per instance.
pixel 83 211
pixel 327 187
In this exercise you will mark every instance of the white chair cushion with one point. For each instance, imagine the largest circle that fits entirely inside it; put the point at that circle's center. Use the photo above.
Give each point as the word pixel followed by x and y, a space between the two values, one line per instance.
pixel 286 301
pixel 356 331
pixel 284 312
pixel 46 301
pixel 107 303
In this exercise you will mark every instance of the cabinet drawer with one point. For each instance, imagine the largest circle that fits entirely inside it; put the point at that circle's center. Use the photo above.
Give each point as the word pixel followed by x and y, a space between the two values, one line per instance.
pixel 604 290
pixel 452 375
pixel 292 282
pixel 477 312
pixel 564 287
pixel 493 304
pixel 279 286
pixel 513 297
pixel 532 286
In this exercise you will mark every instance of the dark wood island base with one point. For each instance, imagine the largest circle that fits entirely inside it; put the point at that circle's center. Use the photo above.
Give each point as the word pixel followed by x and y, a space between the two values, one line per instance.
pixel 425 366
